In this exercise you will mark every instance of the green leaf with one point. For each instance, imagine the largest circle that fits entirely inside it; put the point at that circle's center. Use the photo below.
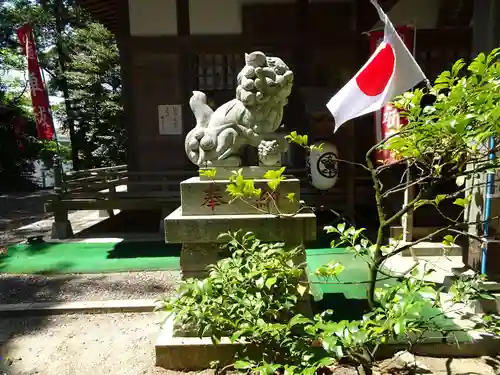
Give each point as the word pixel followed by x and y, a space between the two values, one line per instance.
pixel 461 202
pixel 207 286
pixel 326 361
pixel 329 343
pixel 273 184
pixel 208 172
pixel 249 189
pixel 242 365
pixel 301 289
pixel 236 336
pixel 291 197
pixel 449 238
pixel 337 351
pixel 298 319
pixel 439 198
pixel 457 67
pixel 301 140
pixel 260 282
pixel 460 181
pixel 341 227
pixel 399 327
pixel 330 229
pixel 274 174
pixel 270 282
pixel 234 191
pixel 486 296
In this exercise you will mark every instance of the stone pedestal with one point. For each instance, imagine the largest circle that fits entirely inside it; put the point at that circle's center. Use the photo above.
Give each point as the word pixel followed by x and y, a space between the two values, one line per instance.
pixel 206 212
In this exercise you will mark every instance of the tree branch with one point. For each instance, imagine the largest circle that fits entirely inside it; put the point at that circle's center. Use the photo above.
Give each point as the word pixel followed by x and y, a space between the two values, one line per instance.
pixel 353 163
pixel 411 244
pixel 403 186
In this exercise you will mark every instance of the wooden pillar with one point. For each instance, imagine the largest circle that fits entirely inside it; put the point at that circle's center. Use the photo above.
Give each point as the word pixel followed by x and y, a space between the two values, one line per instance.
pixel 186 58
pixel 298 120
pixel 486 27
pixel 407 219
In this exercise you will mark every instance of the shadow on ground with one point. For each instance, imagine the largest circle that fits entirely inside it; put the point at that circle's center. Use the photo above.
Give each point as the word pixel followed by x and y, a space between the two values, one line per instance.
pixel 132 249
pixel 23 288
pixel 137 221
pixel 22 208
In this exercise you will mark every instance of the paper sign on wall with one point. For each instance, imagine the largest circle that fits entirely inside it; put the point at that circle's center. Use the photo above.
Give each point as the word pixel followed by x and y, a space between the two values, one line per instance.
pixel 170 119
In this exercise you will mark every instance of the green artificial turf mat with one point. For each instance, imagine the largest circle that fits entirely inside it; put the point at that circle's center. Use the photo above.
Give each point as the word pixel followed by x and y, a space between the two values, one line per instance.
pixel 347 295
pixel 60 258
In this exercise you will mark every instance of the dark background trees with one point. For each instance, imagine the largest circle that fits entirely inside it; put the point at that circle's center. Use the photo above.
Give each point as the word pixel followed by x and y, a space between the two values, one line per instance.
pixel 81 65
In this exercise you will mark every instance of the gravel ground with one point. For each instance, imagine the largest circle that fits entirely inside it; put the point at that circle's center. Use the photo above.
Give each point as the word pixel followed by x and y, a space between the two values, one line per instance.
pixel 81 344
pixel 123 344
pixel 118 344
pixel 17 209
pixel 20 209
pixel 98 287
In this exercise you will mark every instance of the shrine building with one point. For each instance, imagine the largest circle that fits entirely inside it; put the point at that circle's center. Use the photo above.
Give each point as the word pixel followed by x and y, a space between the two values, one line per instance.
pixel 169 48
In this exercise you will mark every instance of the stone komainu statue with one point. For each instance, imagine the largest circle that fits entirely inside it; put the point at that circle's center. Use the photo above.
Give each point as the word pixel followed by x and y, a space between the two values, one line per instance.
pixel 219 136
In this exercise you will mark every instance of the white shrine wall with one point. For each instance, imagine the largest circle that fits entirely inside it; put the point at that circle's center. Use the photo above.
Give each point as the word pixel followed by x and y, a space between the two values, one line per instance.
pixel 207 17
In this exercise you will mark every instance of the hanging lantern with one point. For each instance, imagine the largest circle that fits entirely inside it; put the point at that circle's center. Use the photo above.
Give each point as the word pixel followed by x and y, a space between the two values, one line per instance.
pixel 323 166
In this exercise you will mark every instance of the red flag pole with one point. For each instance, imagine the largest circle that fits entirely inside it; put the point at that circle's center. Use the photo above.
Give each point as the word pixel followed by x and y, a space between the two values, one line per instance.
pixel 39 96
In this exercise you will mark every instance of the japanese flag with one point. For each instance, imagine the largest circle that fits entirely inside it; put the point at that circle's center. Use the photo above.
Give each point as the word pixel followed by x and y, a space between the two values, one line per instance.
pixel 389 72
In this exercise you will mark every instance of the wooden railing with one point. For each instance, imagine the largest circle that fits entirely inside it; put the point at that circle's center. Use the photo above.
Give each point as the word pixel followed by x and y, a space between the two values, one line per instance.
pixel 112 188
pixel 118 182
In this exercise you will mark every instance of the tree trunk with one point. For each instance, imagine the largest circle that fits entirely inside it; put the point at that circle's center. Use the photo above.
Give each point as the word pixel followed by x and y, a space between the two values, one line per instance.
pixel 62 57
pixel 364 370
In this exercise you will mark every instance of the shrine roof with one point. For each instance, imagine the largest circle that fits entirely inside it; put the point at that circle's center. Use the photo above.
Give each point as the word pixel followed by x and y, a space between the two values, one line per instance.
pixel 104 11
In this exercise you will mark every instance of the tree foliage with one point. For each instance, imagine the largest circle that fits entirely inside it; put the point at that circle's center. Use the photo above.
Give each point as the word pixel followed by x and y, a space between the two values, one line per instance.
pixel 94 78
pixel 18 146
pixel 92 72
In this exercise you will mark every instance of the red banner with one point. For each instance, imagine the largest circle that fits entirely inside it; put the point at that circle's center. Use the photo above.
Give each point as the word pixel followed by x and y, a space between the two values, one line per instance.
pixel 387 120
pixel 39 97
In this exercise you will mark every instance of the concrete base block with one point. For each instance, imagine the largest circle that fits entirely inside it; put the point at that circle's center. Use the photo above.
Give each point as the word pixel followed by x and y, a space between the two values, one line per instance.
pixel 444 267
pixel 61 230
pixel 195 259
pixel 266 227
pixel 175 352
pixel 201 197
pixel 490 286
pixel 191 353
pixel 488 306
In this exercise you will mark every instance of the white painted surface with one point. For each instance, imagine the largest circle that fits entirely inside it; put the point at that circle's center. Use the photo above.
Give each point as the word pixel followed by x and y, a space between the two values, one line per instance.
pixel 152 17
pixel 323 173
pixel 170 119
pixel 207 17
pixel 290 1
pixel 215 17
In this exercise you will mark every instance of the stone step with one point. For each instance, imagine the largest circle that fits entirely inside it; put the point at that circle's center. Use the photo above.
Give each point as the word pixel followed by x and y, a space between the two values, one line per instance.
pixel 444 267
pixel 488 306
pixel 429 249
